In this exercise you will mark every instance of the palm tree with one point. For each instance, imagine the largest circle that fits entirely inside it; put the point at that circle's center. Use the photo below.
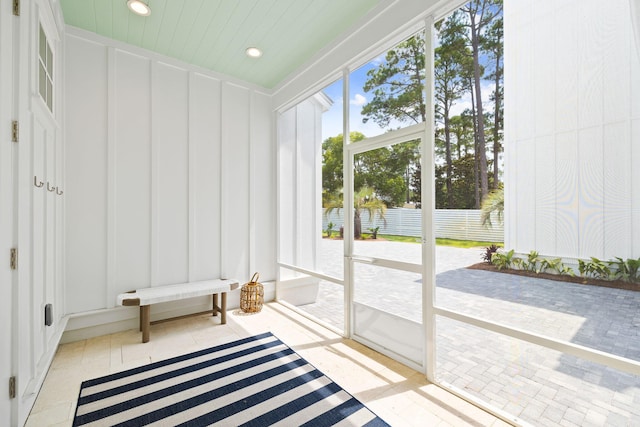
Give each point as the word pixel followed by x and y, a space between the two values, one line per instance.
pixel 493 202
pixel 363 200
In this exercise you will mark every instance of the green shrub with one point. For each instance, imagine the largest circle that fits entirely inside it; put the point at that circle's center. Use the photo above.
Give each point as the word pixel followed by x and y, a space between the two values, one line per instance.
pixel 502 260
pixel 488 253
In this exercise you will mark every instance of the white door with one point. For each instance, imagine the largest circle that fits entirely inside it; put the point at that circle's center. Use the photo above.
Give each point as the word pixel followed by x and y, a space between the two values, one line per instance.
pixel 6 210
pixel 386 276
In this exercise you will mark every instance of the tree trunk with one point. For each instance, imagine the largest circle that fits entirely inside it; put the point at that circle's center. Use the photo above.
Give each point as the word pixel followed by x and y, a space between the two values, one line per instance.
pixel 496 124
pixel 476 182
pixel 357 226
pixel 482 153
pixel 447 145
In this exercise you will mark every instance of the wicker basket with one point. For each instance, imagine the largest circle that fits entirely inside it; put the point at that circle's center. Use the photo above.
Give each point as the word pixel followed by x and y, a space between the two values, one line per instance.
pixel 252 295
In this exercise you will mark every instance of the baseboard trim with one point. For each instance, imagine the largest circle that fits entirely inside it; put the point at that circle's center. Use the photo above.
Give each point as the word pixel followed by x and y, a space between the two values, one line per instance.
pixel 91 324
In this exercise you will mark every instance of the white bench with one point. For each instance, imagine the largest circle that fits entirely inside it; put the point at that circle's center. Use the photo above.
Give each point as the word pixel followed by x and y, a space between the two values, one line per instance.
pixel 147 296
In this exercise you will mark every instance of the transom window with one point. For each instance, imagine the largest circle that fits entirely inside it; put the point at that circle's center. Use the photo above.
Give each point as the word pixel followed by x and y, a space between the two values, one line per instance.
pixel 45 70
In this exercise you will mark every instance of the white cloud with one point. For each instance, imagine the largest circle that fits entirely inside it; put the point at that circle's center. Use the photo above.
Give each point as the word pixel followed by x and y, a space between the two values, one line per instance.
pixel 379 60
pixel 358 100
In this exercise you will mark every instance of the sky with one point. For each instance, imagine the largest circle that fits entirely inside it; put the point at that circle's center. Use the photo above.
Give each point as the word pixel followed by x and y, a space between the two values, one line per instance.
pixel 332 119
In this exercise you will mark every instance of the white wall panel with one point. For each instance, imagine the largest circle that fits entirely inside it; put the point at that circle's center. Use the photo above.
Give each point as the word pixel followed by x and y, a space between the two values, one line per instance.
pixel 235 180
pixel 159 165
pixel 170 137
pixel 131 173
pixel 590 178
pixel 617 45
pixel 545 195
pixel 526 207
pixel 86 174
pixel 635 188
pixel 204 178
pixel 565 65
pixel 287 185
pixel 543 77
pixel 263 188
pixel 590 75
pixel 567 192
pixel 617 190
pixel 523 76
pixel 581 74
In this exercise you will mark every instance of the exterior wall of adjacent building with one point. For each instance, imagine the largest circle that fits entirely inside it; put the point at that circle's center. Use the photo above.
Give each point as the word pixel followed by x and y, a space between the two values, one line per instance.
pixel 572 129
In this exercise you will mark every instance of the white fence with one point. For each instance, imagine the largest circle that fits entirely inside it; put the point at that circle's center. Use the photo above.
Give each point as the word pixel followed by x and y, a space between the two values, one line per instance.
pixel 459 224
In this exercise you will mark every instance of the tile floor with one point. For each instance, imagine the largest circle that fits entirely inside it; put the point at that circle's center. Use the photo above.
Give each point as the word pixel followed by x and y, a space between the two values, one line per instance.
pixel 400 395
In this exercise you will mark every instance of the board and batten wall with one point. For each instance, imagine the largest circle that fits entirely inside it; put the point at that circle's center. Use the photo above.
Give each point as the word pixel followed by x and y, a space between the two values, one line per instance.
pixel 572 129
pixel 169 170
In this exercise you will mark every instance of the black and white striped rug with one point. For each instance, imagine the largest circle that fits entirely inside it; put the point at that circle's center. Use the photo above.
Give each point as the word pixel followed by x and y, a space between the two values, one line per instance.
pixel 256 381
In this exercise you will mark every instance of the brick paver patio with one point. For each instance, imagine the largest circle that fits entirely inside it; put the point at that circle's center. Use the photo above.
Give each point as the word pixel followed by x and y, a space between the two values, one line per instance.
pixel 541 386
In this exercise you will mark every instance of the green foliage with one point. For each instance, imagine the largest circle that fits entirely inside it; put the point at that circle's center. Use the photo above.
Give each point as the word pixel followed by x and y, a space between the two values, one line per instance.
pixel 503 260
pixel 532 262
pixel 556 265
pixel 397 85
pixel 616 269
pixel 488 253
pixel 330 229
pixel 462 194
pixel 365 200
pixel 594 268
pixel 492 203
pixel 627 271
pixel 634 269
pixel 374 232
pixel 465 64
pixel 332 162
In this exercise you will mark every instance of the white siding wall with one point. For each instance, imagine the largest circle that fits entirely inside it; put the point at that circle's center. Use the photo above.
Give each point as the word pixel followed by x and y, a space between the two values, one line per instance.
pixel 300 182
pixel 572 105
pixel 166 164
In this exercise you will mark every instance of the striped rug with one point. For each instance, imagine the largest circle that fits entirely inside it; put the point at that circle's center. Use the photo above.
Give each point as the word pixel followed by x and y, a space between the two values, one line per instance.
pixel 256 381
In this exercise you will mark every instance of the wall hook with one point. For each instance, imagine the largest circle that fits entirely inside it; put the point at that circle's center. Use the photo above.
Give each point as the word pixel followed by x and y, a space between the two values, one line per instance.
pixel 50 188
pixel 36 183
pixel 58 192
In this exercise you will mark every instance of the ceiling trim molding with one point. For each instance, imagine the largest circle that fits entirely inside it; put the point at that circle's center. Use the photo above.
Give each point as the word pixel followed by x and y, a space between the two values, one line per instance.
pixel 411 17
pixel 391 21
pixel 154 56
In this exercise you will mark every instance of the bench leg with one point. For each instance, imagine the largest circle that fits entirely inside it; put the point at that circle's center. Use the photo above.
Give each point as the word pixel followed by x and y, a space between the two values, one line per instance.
pixel 223 309
pixel 144 321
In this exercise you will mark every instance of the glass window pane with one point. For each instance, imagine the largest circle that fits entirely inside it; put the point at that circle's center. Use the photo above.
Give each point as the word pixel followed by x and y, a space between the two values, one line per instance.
pixel 387 214
pixel 331 260
pixel 42 45
pixel 321 299
pixel 541 386
pixel 388 92
pixel 49 61
pixel 394 291
pixel 49 94
pixel 42 81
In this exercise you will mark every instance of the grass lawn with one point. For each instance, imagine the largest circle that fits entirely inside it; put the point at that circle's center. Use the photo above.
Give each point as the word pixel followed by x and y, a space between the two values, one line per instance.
pixel 439 241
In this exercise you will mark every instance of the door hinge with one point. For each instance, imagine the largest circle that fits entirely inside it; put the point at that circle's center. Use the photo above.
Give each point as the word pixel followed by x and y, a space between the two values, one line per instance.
pixel 16 7
pixel 15 131
pixel 14 258
pixel 12 387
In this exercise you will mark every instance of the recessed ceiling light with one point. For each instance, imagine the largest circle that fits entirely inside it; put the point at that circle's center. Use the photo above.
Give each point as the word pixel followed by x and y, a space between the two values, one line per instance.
pixel 139 7
pixel 253 52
